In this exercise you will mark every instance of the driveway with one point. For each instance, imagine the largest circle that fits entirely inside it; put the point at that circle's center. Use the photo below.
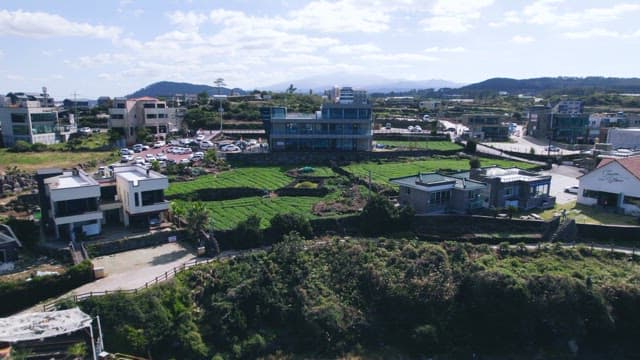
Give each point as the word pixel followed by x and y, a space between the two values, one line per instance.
pixel 563 176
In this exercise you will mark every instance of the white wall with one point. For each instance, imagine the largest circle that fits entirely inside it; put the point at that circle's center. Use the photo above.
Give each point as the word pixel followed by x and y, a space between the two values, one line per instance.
pixel 612 178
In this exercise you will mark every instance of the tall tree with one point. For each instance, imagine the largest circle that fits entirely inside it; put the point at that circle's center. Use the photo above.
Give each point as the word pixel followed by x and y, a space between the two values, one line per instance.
pixel 219 84
pixel 291 89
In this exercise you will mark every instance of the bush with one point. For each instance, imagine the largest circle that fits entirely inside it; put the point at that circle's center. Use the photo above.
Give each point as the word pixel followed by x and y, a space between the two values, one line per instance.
pixel 39 147
pixel 474 163
pixel 282 224
pixel 378 216
pixel 248 233
pixel 21 146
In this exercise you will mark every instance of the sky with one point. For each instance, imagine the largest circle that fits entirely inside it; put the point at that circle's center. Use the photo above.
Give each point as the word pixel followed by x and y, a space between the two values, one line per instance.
pixel 115 47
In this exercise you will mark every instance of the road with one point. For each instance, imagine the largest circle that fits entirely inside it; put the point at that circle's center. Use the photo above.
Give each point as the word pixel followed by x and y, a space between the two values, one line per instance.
pixel 563 176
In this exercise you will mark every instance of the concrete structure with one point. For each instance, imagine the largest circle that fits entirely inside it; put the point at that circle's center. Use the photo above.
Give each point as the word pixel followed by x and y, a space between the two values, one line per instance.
pixel 32 118
pixel 141 193
pixel 434 193
pixel 563 122
pixel 77 104
pixel 9 244
pixel 75 202
pixel 614 184
pixel 515 187
pixel 48 335
pixel 345 125
pixel 624 138
pixel 127 115
pixel 489 127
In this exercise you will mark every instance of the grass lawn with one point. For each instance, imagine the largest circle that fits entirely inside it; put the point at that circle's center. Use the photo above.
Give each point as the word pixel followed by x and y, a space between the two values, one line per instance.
pixel 228 213
pixel 267 177
pixel 432 145
pixel 36 160
pixel 589 215
pixel 381 173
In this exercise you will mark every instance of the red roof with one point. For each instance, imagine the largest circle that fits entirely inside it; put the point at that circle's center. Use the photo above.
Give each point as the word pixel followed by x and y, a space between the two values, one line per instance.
pixel 632 164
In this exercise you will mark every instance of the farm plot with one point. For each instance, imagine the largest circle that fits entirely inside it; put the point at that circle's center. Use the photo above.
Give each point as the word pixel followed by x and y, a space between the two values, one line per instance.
pixel 431 145
pixel 228 213
pixel 381 173
pixel 270 178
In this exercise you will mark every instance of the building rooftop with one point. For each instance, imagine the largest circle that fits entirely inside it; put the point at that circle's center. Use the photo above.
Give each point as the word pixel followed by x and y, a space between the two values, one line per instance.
pixel 511 174
pixel 136 173
pixel 71 179
pixel 425 180
pixel 631 164
pixel 35 326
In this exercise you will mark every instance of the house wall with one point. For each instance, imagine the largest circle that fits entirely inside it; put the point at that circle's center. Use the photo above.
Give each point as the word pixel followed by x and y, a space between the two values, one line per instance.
pixel 611 178
pixel 128 190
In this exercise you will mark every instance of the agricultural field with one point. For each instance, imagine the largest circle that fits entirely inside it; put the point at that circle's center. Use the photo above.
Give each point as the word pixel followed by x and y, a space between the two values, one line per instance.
pixel 382 172
pixel 268 177
pixel 228 213
pixel 29 161
pixel 431 145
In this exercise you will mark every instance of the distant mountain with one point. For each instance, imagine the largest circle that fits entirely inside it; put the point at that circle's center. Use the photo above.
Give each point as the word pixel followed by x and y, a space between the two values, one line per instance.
pixel 538 85
pixel 169 88
pixel 371 83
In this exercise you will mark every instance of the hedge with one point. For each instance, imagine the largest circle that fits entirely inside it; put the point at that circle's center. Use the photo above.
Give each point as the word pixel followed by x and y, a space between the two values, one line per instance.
pixel 19 295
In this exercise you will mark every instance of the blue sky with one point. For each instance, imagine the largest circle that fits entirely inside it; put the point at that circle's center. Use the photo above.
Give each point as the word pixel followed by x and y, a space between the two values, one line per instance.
pixel 116 47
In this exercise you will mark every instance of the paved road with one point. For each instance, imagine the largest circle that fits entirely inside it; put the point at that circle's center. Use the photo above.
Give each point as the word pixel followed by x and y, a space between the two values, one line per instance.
pixel 524 144
pixel 563 176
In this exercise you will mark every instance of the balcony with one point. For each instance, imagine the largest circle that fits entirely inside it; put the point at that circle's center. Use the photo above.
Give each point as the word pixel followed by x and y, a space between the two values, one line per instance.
pixel 87 216
pixel 155 207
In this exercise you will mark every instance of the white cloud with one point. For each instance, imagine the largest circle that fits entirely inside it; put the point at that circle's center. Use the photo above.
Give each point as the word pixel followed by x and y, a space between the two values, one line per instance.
pixel 522 39
pixel 45 25
pixel 341 16
pixel 187 21
pixel 399 57
pixel 1 53
pixel 436 49
pixel 547 12
pixel 510 17
pixel 454 16
pixel 344 49
pixel 600 32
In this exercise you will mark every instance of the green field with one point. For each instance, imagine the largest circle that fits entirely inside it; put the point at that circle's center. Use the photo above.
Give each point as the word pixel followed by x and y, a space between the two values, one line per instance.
pixel 431 145
pixel 381 173
pixel 62 159
pixel 228 213
pixel 268 177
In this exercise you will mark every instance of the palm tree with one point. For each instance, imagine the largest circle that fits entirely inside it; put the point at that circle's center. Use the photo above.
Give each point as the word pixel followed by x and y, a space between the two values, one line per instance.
pixel 177 211
pixel 197 218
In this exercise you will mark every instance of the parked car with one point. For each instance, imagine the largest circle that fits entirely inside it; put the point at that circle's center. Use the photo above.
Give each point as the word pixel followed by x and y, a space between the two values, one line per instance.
pixel 126 158
pixel 85 130
pixel 231 148
pixel 137 148
pixel 159 144
pixel 387 126
pixel 149 158
pixel 125 151
pixel 572 189
pixel 161 157
pixel 199 137
pixel 184 161
pixel 204 145
pixel 553 148
pixel 138 160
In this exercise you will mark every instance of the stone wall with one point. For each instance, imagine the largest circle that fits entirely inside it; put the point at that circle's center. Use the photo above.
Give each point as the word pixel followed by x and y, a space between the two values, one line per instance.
pixel 312 158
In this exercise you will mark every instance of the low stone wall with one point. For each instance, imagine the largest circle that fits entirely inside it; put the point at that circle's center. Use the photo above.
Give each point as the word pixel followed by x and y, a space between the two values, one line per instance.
pixel 484 229
pixel 623 235
pixel 132 243
pixel 311 158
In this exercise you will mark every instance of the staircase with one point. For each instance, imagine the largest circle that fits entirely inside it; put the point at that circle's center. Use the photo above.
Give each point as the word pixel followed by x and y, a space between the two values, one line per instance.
pixel 566 232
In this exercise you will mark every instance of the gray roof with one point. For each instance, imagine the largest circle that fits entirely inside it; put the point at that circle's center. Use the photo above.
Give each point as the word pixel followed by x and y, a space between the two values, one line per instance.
pixel 7 236
pixel 426 180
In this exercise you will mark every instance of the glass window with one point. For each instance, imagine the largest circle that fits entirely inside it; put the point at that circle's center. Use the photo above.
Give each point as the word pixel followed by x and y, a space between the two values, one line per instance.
pixel 149 106
pixel 20 130
pixel 18 118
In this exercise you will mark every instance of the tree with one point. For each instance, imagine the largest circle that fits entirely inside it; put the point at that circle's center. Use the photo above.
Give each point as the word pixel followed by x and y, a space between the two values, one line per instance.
pixel 282 224
pixel 21 146
pixel 474 163
pixel 247 233
pixel 378 216
pixel 210 157
pixel 197 218
pixel 178 211
pixel 291 89
pixel 114 135
pixel 155 165
pixel 203 98
pixel 143 134
pixel 219 84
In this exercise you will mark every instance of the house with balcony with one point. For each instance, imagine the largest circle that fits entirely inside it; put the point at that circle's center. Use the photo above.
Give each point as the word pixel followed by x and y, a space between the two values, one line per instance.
pixel 126 116
pixel 486 127
pixel 514 187
pixel 436 193
pixel 141 192
pixel 73 201
pixel 33 118
pixel 344 124
pixel 565 122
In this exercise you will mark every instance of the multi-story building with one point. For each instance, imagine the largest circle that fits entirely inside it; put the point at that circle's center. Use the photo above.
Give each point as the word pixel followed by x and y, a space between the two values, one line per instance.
pixel 564 122
pixel 127 115
pixel 515 187
pixel 76 104
pixel 32 118
pixel 75 202
pixel 486 127
pixel 434 193
pixel 343 125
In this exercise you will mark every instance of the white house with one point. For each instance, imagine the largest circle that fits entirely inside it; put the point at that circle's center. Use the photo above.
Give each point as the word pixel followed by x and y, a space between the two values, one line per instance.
pixel 614 184
pixel 141 192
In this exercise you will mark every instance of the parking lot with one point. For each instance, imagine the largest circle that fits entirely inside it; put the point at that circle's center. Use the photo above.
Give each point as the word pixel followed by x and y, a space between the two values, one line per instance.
pixel 563 176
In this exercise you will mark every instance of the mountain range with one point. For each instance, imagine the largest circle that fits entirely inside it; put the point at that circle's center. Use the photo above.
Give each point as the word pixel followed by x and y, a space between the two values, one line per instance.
pixel 377 84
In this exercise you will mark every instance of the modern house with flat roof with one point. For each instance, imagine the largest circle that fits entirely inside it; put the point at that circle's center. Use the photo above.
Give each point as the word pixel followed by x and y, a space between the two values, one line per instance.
pixel 515 187
pixel 32 118
pixel 435 193
pixel 486 127
pixel 564 122
pixel 341 125
pixel 127 115
pixel 75 202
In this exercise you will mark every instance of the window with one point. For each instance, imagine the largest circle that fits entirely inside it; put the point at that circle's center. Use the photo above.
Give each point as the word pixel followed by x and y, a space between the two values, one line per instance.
pixel 439 197
pixel 136 199
pixel 20 130
pixel 149 106
pixel 161 106
pixel 117 116
pixel 120 106
pixel 632 200
pixel 590 194
pixel 18 118
pixel 151 116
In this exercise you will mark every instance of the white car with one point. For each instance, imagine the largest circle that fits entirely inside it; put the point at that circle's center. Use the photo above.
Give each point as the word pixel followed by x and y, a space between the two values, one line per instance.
pixel 199 137
pixel 206 144
pixel 161 157
pixel 159 144
pixel 125 151
pixel 149 158
pixel 184 161
pixel 572 189
pixel 126 158
pixel 138 160
pixel 230 148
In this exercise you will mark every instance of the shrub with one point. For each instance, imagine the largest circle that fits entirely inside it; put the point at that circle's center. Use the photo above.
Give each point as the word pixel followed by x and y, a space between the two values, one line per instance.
pixel 248 233
pixel 282 224
pixel 474 163
pixel 21 146
pixel 39 147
